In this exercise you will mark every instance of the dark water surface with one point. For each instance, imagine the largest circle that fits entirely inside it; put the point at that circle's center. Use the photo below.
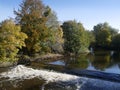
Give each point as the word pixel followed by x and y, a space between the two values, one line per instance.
pixel 103 66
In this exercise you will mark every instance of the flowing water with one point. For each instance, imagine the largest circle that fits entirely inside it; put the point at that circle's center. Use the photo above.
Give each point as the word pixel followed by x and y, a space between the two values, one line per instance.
pixel 52 75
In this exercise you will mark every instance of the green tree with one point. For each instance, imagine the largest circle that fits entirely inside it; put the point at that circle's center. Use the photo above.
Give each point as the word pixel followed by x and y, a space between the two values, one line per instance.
pixel 91 39
pixel 103 38
pixel 11 40
pixel 102 34
pixel 32 16
pixel 56 32
pixel 116 42
pixel 113 31
pixel 74 37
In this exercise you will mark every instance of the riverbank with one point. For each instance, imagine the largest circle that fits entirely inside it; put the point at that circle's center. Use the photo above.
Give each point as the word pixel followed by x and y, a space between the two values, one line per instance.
pixel 26 60
pixel 47 56
pixel 7 64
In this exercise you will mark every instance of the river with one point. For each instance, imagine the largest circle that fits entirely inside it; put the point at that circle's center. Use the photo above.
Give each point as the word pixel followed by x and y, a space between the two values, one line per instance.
pixel 69 73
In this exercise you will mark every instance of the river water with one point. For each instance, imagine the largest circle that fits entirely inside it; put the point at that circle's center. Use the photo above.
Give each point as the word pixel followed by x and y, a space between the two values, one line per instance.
pixel 53 74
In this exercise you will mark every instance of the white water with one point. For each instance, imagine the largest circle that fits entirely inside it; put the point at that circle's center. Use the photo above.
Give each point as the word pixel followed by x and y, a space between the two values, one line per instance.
pixel 22 72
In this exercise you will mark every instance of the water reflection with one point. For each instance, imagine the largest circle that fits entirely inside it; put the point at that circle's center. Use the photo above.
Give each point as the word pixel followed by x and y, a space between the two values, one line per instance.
pixel 62 63
pixel 80 62
pixel 116 56
pixel 100 60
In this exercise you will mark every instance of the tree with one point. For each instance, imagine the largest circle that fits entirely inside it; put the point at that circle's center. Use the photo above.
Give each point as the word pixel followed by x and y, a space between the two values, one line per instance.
pixel 103 38
pixel 113 31
pixel 56 32
pixel 116 42
pixel 102 34
pixel 33 17
pixel 11 40
pixel 74 37
pixel 91 38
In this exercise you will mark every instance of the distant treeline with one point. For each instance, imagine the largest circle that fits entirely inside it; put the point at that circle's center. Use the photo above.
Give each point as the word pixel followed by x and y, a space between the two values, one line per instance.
pixel 36 30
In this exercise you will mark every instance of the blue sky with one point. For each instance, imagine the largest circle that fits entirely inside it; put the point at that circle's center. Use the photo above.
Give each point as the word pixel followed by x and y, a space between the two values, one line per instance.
pixel 88 12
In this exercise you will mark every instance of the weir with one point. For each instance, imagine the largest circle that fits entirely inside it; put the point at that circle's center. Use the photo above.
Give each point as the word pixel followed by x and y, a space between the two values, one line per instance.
pixel 62 80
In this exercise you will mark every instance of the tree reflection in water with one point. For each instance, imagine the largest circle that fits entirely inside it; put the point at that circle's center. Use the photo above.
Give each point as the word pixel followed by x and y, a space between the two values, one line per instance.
pixel 79 62
pixel 101 60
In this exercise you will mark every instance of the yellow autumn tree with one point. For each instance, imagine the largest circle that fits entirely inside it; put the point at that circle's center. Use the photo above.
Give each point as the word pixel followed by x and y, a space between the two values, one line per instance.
pixel 11 40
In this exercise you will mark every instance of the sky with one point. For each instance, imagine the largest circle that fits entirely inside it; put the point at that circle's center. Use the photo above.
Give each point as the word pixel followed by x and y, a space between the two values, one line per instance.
pixel 88 12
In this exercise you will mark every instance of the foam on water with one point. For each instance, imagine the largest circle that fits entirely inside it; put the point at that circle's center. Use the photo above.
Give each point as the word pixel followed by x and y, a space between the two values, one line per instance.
pixel 22 72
